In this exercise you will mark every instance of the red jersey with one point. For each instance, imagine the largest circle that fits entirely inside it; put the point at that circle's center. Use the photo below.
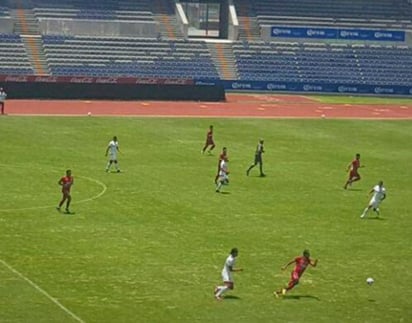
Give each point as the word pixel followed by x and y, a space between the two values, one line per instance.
pixel 301 263
pixel 66 182
pixel 355 165
pixel 222 156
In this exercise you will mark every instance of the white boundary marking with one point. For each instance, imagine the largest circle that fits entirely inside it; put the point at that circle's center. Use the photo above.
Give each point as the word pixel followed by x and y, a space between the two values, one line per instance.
pixel 103 185
pixel 42 291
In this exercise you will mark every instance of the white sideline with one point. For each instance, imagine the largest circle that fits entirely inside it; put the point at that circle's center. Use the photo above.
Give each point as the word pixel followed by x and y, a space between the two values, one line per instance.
pixel 42 291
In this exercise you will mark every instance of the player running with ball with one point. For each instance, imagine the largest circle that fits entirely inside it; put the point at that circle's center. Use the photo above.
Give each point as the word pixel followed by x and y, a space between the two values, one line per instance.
pixel 301 263
pixel 379 194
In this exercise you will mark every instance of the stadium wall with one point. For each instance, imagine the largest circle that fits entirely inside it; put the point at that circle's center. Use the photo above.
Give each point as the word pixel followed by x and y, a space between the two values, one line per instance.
pixel 6 25
pixel 103 28
pixel 106 88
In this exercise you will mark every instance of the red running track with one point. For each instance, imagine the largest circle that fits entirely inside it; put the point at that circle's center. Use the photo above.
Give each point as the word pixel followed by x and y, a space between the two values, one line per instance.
pixel 236 105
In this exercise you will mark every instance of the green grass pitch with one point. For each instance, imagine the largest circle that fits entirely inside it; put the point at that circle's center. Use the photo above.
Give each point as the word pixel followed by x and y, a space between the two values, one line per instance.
pixel 148 244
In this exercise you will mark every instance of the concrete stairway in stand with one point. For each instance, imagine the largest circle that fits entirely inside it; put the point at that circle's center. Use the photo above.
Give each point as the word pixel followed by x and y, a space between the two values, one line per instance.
pixel 224 59
pixel 249 27
pixel 163 12
pixel 27 25
pixel 34 49
pixel 25 22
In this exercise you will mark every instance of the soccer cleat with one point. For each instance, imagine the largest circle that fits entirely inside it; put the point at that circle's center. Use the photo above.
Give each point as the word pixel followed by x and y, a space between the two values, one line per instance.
pixel 67 211
pixel 247 172
pixel 362 216
pixel 58 208
pixel 276 294
pixel 218 298
pixel 377 211
pixel 118 170
pixel 283 291
pixel 262 175
pixel 216 290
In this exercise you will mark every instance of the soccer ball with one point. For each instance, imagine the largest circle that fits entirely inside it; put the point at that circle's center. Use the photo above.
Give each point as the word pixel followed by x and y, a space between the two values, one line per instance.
pixel 370 280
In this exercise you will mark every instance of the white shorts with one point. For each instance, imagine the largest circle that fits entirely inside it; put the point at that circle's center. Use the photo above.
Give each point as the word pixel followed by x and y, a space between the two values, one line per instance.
pixel 112 156
pixel 374 202
pixel 227 277
pixel 224 178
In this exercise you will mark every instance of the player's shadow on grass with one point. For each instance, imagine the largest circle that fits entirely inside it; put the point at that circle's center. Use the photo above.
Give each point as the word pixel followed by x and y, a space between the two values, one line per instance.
pixel 298 297
pixel 375 218
pixel 354 189
pixel 225 193
pixel 231 297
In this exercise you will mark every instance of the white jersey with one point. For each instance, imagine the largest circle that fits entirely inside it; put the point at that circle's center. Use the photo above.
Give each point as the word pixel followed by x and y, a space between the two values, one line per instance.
pixel 113 148
pixel 226 272
pixel 223 168
pixel 378 192
pixel 3 96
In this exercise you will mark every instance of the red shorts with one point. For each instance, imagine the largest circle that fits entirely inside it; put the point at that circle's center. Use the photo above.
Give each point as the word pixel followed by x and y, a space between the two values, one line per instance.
pixel 209 142
pixel 354 174
pixel 295 275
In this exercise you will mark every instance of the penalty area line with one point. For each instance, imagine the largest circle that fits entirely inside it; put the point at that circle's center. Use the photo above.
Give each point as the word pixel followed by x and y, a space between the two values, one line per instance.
pixel 42 291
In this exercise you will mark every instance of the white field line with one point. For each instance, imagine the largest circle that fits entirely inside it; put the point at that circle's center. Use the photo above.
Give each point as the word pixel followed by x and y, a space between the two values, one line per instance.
pixel 77 202
pixel 103 185
pixel 42 291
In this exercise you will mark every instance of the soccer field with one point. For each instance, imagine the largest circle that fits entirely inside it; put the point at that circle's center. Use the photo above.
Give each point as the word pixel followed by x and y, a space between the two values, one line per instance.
pixel 148 244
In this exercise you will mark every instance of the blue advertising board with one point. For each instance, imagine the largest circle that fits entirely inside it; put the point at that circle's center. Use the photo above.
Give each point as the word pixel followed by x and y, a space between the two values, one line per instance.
pixel 338 33
pixel 235 85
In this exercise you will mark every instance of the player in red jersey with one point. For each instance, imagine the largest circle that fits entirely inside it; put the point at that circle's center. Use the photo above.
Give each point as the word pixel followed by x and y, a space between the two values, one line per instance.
pixel 209 141
pixel 66 183
pixel 353 171
pixel 222 156
pixel 301 263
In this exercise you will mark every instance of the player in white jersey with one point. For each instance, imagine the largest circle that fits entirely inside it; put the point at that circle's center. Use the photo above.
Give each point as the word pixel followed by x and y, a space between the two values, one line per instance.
pixel 227 271
pixel 379 194
pixel 112 150
pixel 223 175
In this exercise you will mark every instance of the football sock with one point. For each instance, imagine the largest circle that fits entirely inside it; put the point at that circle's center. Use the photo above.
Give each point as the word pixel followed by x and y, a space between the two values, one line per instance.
pixel 222 289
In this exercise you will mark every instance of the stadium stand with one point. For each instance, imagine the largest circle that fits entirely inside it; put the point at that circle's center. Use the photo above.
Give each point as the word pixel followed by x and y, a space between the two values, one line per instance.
pixel 128 57
pixel 372 13
pixel 169 56
pixel 93 10
pixel 4 11
pixel 13 56
pixel 324 63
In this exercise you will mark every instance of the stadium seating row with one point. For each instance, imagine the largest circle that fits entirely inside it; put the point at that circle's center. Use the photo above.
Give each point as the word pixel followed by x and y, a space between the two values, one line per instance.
pixel 128 57
pixel 375 64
